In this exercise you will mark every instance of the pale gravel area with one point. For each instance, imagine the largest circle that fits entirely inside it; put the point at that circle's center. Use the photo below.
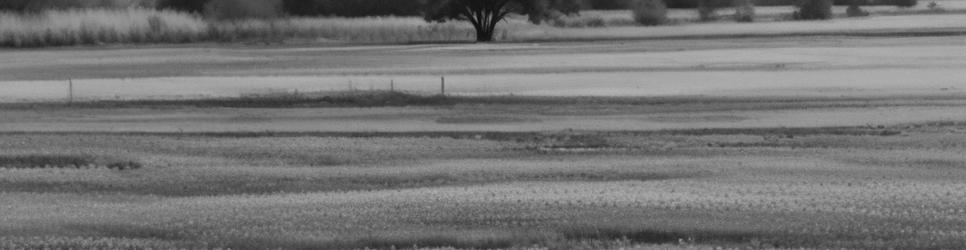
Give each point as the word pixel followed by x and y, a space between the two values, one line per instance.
pixel 735 68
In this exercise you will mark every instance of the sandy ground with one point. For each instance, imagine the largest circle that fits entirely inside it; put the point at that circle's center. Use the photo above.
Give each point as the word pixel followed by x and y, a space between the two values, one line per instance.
pixel 794 66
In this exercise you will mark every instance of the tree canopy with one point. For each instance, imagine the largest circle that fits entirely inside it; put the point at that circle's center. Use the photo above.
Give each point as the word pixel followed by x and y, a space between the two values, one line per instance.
pixel 486 14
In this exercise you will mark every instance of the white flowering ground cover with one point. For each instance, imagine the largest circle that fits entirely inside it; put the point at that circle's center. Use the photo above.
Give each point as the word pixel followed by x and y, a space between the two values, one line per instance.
pixel 897 186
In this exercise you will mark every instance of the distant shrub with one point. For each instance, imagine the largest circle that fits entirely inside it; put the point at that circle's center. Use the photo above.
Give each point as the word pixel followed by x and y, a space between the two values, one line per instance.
pixel 596 22
pixel 814 10
pixel 744 11
pixel 579 22
pixel 243 9
pixel 707 9
pixel 907 3
pixel 124 165
pixel 194 6
pixel 649 12
pixel 354 8
pixel 855 10
pixel 40 5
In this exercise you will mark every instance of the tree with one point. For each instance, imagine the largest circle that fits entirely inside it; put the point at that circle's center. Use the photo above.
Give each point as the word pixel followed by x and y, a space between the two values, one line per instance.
pixel 814 10
pixel 486 14
pixel 196 6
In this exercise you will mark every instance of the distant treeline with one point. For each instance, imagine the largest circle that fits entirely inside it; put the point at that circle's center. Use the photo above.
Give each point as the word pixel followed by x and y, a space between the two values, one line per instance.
pixel 347 8
pixel 37 5
pixel 687 4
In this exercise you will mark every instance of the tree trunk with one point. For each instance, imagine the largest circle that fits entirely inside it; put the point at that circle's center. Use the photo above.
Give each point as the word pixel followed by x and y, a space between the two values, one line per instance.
pixel 484 34
pixel 484 15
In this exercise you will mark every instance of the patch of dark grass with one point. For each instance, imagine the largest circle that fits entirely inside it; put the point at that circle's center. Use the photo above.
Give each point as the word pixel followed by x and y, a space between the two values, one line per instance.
pixel 920 163
pixel 45 161
pixel 124 165
pixel 126 231
pixel 33 161
pixel 270 185
pixel 574 138
pixel 329 99
pixel 481 120
pixel 383 98
pixel 785 132
pixel 652 236
pixel 375 241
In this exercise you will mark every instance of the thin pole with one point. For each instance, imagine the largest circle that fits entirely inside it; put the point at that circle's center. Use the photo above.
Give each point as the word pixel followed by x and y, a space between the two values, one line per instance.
pixel 442 85
pixel 70 91
pixel 392 85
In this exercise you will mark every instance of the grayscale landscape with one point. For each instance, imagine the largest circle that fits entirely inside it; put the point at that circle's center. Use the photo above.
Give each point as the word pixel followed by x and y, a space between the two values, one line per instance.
pixel 233 127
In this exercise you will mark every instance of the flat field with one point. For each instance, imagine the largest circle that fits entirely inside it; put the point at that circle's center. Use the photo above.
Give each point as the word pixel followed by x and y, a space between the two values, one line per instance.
pixel 811 142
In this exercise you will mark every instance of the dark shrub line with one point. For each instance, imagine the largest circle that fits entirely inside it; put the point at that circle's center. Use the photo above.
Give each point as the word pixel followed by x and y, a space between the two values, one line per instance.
pixel 506 136
pixel 347 99
pixel 385 98
pixel 62 161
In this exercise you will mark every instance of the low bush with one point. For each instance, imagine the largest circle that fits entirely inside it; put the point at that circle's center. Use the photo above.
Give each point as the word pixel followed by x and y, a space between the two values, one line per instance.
pixel 855 11
pixel 41 5
pixel 649 12
pixel 907 3
pixel 579 22
pixel 194 6
pixel 354 8
pixel 814 10
pixel 707 9
pixel 744 11
pixel 243 9
pixel 124 165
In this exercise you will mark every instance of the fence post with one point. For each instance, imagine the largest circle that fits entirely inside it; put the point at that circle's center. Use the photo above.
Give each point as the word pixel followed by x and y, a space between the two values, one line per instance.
pixel 442 85
pixel 70 92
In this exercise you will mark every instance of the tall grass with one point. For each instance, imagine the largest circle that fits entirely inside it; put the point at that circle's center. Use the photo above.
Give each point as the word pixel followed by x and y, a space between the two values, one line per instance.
pixel 97 26
pixel 138 25
pixel 365 30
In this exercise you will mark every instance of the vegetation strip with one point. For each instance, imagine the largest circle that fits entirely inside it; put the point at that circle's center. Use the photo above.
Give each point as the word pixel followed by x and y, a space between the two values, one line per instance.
pixel 377 98
pixel 490 135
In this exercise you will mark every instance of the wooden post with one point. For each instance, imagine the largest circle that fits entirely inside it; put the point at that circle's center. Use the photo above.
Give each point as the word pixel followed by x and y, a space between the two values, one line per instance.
pixel 70 92
pixel 442 85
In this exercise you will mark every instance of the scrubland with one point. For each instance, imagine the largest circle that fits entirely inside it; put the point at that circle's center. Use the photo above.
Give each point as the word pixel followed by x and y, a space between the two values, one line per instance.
pixel 486 173
pixel 139 26
pixel 126 26
pixel 766 142
pixel 754 188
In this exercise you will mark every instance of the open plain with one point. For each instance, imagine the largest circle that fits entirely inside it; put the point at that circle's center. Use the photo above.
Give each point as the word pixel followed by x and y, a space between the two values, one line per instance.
pixel 811 141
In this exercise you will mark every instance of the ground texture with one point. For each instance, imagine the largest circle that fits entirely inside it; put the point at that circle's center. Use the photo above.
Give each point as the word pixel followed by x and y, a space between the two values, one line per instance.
pixel 747 143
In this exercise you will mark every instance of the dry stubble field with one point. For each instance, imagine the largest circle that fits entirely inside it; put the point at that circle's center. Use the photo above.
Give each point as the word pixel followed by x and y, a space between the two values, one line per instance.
pixel 757 143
